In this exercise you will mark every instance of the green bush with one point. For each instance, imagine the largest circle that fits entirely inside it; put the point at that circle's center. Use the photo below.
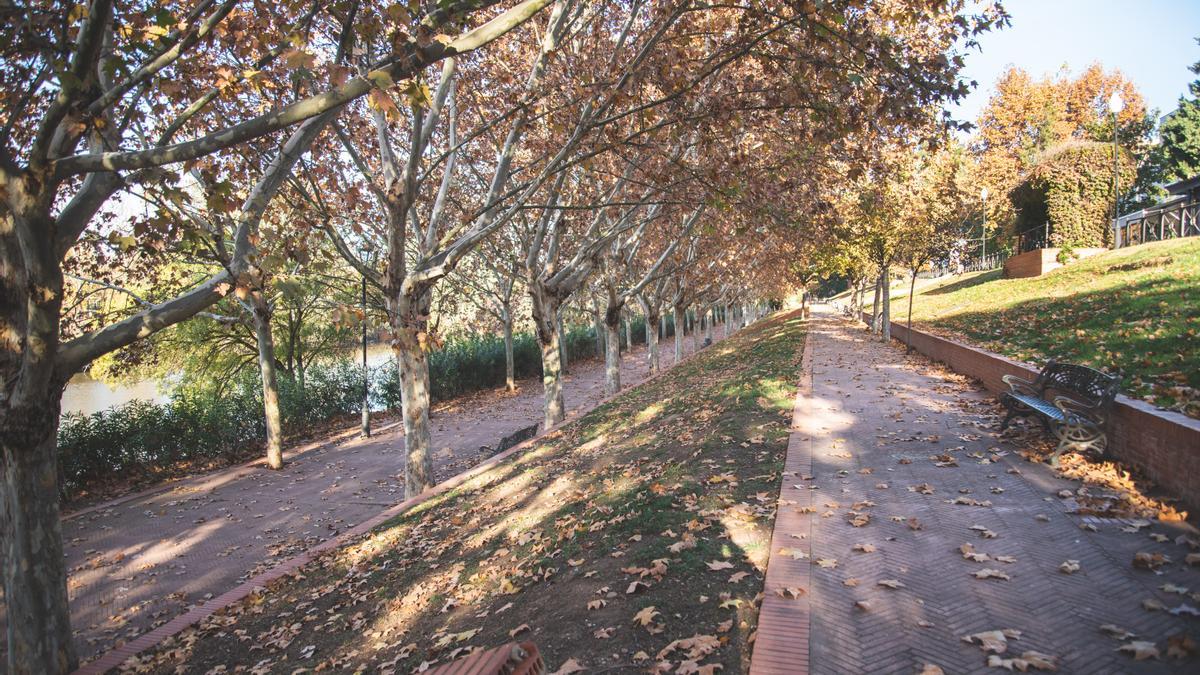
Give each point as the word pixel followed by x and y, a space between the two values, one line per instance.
pixel 140 439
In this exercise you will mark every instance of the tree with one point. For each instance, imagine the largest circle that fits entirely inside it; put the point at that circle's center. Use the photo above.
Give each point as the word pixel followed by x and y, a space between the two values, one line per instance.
pixel 1180 133
pixel 98 99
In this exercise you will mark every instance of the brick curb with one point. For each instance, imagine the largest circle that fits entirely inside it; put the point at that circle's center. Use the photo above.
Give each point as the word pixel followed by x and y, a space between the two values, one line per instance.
pixel 782 643
pixel 117 656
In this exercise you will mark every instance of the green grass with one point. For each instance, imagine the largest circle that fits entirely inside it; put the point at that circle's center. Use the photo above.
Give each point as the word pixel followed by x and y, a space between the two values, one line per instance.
pixel 520 551
pixel 1136 310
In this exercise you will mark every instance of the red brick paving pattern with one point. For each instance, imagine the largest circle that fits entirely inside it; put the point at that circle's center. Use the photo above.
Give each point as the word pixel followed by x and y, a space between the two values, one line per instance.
pixel 872 407
pixel 138 563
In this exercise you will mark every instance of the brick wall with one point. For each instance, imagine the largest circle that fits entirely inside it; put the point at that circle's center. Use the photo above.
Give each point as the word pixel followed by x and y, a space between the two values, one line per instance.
pixel 1036 263
pixel 1165 445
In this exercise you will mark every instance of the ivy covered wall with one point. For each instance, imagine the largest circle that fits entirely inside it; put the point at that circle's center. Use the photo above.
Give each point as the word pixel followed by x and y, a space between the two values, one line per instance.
pixel 1071 187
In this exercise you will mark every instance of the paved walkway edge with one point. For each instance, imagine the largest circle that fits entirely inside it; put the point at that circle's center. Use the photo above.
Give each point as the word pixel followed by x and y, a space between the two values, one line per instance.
pixel 152 638
pixel 782 641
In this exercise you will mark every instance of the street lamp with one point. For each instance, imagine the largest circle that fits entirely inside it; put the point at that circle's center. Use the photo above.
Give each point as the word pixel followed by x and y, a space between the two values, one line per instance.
pixel 983 195
pixel 1115 105
pixel 366 392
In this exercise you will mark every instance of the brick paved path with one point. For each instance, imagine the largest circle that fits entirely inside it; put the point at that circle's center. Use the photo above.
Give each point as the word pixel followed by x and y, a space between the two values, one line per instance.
pixel 869 428
pixel 138 564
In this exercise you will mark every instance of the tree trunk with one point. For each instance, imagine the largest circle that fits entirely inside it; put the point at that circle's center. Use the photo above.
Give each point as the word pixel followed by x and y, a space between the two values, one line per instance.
pixel 679 321
pixel 708 329
pixel 612 355
pixel 409 326
pixel 562 340
pixel 885 325
pixel 912 289
pixel 510 379
pixel 695 331
pixel 35 575
pixel 270 382
pixel 652 319
pixel 545 309
pixel 598 319
pixel 629 331
pixel 875 304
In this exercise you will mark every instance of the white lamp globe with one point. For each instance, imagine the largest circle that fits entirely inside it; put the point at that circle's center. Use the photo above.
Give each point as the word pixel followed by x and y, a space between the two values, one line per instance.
pixel 1116 103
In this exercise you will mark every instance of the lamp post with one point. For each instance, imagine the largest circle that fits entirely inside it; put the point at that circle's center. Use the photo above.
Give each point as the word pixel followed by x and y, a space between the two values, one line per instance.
pixel 1115 105
pixel 983 195
pixel 366 391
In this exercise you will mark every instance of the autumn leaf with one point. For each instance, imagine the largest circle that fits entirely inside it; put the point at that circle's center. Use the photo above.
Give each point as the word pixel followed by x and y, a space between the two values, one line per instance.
pixel 891 583
pixel 795 553
pixel 930 669
pixel 1149 561
pixel 596 604
pixel 864 548
pixel 790 592
pixel 646 616
pixel 994 641
pixel 1140 650
pixel 518 629
pixel 989 573
pixel 719 565
pixel 1115 631
pixel 1180 646
pixel 571 666
pixel 827 563
pixel 603 633
pixel 851 582
pixel 1024 662
pixel 738 576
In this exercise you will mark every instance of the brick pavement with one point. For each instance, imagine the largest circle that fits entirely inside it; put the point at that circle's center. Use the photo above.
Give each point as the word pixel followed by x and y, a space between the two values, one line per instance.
pixel 868 421
pixel 138 563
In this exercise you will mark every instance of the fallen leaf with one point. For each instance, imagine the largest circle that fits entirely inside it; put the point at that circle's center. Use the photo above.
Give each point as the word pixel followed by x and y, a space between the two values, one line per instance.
pixel 1140 650
pixel 518 629
pixel 1115 631
pixel 645 616
pixel 1149 561
pixel 864 548
pixel 989 573
pixel 891 583
pixel 716 565
pixel 930 669
pixel 1180 646
pixel 1069 567
pixel 994 641
pixel 738 576
pixel 790 592
pixel 851 582
pixel 827 563
pixel 603 633
pixel 571 666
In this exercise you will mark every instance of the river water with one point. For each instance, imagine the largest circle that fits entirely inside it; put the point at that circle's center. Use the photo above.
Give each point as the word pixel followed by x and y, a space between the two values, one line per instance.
pixel 87 395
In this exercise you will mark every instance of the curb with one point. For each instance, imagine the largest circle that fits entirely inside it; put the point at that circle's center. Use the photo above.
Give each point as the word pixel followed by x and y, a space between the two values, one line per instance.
pixel 118 655
pixel 782 643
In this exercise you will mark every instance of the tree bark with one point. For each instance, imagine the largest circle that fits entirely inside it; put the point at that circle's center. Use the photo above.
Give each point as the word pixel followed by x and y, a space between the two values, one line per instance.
pixel 409 321
pixel 612 358
pixel 562 340
pixel 544 311
pixel 510 379
pixel 35 590
pixel 875 304
pixel 679 330
pixel 885 320
pixel 652 319
pixel 270 382
pixel 629 331
pixel 695 331
pixel 598 320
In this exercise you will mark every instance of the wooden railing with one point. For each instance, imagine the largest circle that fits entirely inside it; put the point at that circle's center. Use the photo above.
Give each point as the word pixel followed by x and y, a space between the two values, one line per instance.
pixel 1178 218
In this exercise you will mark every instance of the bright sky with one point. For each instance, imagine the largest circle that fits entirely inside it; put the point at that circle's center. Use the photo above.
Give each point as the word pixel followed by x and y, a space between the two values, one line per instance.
pixel 1151 41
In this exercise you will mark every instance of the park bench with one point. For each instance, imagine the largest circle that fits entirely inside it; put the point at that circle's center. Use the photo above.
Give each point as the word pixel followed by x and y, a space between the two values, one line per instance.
pixel 1071 401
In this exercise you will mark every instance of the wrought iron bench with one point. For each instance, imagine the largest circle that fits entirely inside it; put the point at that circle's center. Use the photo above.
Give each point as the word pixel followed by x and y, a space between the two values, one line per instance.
pixel 1072 402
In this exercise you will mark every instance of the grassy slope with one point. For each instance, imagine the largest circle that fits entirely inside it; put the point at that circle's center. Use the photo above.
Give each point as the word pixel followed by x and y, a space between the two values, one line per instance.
pixel 651 487
pixel 1136 310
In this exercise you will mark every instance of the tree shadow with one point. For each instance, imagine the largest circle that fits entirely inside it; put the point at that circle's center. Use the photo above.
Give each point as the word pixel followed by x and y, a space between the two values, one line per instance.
pixel 976 280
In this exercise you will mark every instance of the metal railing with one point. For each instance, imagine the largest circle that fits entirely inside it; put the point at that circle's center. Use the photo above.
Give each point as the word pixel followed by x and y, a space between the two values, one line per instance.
pixel 1170 220
pixel 941 269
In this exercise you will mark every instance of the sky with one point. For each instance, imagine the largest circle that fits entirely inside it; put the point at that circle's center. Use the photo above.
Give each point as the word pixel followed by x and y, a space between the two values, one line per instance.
pixel 1151 41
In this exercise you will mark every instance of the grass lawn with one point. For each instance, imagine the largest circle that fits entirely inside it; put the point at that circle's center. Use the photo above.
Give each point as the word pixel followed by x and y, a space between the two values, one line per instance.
pixel 1136 310
pixel 646 522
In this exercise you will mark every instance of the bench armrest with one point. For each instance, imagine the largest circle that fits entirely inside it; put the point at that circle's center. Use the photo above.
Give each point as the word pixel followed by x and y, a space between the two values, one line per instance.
pixel 1077 413
pixel 1020 385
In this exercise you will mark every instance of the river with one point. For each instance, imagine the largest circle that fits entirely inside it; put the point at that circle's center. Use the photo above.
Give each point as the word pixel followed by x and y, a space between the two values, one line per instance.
pixel 87 395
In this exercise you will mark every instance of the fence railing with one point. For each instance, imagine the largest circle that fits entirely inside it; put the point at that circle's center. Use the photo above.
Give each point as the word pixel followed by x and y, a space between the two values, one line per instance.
pixel 1179 218
pixel 941 269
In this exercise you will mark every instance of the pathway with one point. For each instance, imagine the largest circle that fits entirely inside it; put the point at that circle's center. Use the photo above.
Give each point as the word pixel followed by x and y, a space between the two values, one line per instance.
pixel 136 565
pixel 874 499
